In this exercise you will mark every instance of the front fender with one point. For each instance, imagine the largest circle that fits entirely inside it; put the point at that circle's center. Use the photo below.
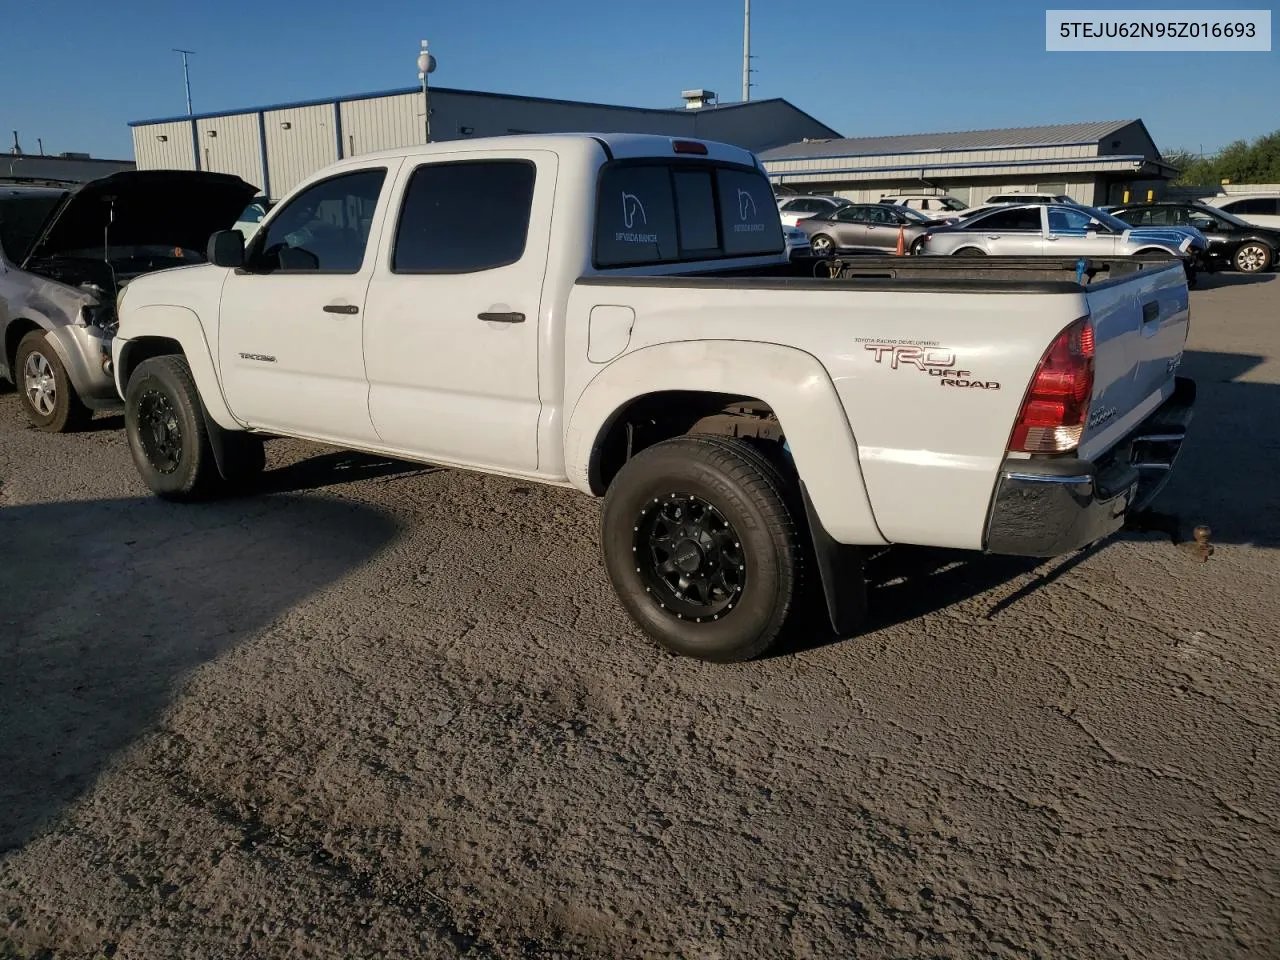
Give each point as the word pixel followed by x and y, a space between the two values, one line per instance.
pixel 791 381
pixel 81 350
pixel 182 325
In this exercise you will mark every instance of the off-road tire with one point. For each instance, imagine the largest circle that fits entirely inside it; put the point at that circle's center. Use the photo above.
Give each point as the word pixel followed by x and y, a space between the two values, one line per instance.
pixel 166 382
pixel 757 501
pixel 69 412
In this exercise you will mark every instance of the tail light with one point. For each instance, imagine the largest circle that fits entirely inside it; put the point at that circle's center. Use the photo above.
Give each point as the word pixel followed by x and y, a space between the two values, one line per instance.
pixel 1054 412
pixel 689 146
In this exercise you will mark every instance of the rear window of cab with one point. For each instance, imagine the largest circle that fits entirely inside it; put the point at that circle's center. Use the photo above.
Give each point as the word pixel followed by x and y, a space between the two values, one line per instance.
pixel 655 212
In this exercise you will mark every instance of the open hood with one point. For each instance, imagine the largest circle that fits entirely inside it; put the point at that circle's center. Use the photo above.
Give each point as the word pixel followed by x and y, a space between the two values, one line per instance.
pixel 178 208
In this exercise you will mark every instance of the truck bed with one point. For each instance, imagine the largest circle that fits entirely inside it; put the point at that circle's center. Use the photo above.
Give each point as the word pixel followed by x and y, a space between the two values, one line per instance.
pixel 942 274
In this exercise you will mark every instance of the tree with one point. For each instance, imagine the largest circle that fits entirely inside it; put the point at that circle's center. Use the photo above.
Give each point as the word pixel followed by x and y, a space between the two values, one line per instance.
pixel 1239 162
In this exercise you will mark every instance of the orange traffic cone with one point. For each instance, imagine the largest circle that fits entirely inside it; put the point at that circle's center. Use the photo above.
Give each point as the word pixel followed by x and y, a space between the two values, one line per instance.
pixel 902 246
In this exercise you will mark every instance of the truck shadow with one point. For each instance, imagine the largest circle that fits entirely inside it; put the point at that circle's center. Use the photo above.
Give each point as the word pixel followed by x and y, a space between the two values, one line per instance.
pixel 121 602
pixel 329 469
pixel 1226 478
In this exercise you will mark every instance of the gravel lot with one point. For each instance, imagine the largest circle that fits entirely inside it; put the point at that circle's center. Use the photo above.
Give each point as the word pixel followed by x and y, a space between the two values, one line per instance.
pixel 393 711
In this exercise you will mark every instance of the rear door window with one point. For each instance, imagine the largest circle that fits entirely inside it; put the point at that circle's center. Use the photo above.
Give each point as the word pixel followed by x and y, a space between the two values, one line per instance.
pixel 1023 218
pixel 464 217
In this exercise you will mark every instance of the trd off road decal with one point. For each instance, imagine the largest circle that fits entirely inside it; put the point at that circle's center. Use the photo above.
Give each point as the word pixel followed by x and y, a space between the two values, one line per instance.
pixel 927 356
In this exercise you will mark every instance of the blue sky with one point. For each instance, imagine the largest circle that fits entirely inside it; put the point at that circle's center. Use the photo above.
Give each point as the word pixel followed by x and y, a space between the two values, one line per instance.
pixel 74 72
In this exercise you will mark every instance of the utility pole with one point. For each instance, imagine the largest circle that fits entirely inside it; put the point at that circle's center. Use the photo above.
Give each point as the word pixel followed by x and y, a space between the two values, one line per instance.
pixel 746 53
pixel 426 65
pixel 186 74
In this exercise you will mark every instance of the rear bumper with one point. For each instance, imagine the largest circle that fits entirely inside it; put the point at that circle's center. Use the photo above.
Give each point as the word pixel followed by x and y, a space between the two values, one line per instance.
pixel 1043 508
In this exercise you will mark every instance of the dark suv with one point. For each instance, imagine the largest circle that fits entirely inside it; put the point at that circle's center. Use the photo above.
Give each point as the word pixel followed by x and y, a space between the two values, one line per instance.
pixel 1233 243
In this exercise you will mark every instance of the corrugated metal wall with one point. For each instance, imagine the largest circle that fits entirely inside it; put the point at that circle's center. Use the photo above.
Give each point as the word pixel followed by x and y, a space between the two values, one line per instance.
pixel 231 144
pixel 306 145
pixel 383 123
pixel 173 152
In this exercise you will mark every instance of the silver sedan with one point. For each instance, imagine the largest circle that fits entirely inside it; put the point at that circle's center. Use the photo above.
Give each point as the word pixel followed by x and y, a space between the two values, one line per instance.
pixel 1065 230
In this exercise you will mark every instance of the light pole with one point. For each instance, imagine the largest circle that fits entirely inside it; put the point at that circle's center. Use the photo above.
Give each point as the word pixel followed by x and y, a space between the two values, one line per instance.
pixel 426 65
pixel 186 74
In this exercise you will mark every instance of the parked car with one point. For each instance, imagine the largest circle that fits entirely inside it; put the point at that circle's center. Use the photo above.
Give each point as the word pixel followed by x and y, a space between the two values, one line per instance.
pixel 794 209
pixel 251 217
pixel 1059 229
pixel 865 228
pixel 616 313
pixel 1008 199
pixel 937 207
pixel 798 245
pixel 64 255
pixel 1260 209
pixel 1233 243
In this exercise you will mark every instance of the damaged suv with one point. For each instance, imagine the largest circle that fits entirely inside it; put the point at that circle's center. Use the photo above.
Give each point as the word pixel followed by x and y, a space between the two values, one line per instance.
pixel 66 252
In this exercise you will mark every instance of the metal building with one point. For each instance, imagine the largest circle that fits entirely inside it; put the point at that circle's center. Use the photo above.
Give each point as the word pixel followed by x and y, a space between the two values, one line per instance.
pixel 1093 163
pixel 63 167
pixel 275 147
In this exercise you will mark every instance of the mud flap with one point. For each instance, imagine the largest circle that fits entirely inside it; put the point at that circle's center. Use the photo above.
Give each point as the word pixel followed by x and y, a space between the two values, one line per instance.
pixel 226 444
pixel 841 568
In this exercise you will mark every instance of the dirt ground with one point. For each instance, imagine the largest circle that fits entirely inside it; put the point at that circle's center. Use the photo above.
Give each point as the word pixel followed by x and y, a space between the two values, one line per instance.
pixel 388 711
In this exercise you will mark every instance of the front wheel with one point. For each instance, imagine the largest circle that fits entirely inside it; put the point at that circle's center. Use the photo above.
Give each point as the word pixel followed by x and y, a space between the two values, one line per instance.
pixel 703 547
pixel 969 252
pixel 1252 257
pixel 167 434
pixel 822 246
pixel 48 396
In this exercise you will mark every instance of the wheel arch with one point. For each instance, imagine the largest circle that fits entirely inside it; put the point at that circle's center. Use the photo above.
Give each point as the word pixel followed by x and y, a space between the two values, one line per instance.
pixel 732 388
pixel 154 331
pixel 17 328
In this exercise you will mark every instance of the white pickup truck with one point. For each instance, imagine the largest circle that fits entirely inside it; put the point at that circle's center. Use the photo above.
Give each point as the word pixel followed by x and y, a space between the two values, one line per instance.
pixel 616 314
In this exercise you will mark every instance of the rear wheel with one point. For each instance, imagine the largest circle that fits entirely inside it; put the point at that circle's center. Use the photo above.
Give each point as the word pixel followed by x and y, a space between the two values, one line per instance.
pixel 167 435
pixel 48 397
pixel 1252 257
pixel 704 548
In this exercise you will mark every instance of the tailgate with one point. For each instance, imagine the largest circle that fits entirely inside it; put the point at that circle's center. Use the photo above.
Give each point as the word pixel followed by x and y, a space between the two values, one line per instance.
pixel 1140 328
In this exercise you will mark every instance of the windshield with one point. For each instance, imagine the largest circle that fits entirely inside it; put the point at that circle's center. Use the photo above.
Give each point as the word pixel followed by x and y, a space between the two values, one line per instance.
pixel 21 217
pixel 951 203
pixel 1223 215
pixel 1106 219
pixel 912 214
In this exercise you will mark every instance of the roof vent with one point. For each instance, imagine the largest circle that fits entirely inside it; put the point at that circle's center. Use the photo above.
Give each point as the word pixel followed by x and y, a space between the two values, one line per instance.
pixel 697 99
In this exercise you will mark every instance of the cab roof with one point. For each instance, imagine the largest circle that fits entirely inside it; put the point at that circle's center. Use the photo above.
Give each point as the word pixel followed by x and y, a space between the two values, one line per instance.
pixel 617 145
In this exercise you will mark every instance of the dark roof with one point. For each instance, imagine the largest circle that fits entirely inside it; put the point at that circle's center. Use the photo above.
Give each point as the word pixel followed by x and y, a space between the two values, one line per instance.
pixel 1053 135
pixel 322 101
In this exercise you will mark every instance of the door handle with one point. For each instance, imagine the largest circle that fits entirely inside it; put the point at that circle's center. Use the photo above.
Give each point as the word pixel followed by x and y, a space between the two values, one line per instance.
pixel 1052 236
pixel 993 236
pixel 347 308
pixel 501 317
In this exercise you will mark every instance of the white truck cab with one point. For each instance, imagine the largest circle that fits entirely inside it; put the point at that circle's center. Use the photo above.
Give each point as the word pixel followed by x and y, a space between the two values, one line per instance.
pixel 618 314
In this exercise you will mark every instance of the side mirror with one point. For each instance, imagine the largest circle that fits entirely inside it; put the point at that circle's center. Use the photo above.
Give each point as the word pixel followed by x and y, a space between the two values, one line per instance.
pixel 226 249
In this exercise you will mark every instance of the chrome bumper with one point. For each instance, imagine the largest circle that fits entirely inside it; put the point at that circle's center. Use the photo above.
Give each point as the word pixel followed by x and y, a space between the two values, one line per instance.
pixel 1043 508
